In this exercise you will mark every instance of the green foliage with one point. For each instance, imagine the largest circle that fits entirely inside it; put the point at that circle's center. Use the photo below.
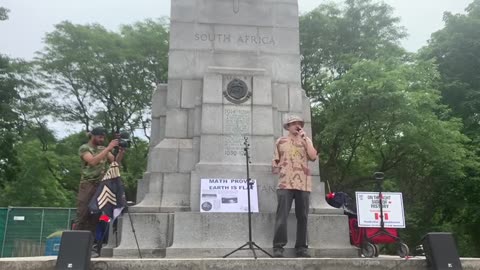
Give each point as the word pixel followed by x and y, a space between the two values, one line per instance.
pixel 9 122
pixel 98 77
pixel 104 77
pixel 377 108
pixel 38 182
pixel 456 50
pixel 333 38
pixel 133 167
pixel 3 14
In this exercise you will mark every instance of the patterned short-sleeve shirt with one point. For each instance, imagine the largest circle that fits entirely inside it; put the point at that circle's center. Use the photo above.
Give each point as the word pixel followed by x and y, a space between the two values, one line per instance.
pixel 292 160
pixel 93 173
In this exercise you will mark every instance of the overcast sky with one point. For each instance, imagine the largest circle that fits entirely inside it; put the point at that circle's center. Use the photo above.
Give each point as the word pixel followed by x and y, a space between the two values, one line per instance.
pixel 22 34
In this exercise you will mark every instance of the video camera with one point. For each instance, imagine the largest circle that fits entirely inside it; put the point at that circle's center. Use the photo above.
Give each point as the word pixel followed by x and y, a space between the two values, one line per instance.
pixel 124 139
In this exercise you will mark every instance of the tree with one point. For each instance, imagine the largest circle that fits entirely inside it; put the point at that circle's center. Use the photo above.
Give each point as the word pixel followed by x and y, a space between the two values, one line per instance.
pixel 104 77
pixel 40 181
pixel 456 50
pixel 333 38
pixel 9 121
pixel 3 14
pixel 378 108
pixel 380 115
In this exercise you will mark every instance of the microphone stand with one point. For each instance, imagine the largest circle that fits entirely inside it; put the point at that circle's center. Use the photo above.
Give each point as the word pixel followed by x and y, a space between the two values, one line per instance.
pixel 250 245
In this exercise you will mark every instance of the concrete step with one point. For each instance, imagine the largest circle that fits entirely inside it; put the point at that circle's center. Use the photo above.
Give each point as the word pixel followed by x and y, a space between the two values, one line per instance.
pixel 381 263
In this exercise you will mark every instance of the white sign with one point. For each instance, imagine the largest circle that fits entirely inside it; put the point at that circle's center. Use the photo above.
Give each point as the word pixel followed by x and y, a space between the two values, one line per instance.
pixel 227 195
pixel 19 218
pixel 368 209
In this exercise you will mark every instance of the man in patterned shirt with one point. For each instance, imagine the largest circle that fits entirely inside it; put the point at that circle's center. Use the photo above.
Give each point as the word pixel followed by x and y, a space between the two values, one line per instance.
pixel 95 161
pixel 290 162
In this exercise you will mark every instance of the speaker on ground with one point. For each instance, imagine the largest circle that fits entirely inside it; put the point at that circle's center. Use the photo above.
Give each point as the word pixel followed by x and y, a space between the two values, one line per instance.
pixel 75 251
pixel 441 251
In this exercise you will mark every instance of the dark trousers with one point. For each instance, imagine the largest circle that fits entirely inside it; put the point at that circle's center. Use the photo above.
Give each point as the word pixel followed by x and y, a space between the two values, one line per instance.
pixel 85 220
pixel 285 199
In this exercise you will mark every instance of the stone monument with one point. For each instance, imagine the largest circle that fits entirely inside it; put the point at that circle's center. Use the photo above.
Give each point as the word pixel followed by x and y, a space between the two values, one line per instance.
pixel 234 71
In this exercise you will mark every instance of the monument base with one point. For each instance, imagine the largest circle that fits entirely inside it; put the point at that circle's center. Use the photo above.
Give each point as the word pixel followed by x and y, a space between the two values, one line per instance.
pixel 203 235
pixel 213 235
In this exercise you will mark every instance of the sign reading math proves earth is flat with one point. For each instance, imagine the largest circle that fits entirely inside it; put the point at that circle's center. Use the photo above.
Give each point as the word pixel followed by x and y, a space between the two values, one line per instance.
pixel 227 195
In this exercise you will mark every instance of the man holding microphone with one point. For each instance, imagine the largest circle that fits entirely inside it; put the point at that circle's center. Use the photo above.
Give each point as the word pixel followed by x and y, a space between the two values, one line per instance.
pixel 290 162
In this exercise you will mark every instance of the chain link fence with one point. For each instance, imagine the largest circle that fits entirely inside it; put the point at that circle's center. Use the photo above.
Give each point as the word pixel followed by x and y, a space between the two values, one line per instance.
pixel 24 231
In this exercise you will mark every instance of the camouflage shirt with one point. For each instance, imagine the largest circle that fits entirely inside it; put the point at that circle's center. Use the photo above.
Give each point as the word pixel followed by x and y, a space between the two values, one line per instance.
pixel 92 173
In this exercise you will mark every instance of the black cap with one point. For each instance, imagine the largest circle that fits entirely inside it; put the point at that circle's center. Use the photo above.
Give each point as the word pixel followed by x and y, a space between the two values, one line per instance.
pixel 98 131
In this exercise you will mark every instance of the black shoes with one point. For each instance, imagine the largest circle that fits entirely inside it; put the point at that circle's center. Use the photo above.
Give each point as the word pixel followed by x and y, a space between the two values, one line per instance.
pixel 299 252
pixel 278 253
pixel 302 253
pixel 96 251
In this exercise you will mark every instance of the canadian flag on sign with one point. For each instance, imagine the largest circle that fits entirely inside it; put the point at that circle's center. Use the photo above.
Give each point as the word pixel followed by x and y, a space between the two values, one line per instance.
pixel 385 216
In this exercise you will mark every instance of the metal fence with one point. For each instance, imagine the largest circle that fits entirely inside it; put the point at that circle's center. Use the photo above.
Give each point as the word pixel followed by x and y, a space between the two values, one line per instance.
pixel 24 231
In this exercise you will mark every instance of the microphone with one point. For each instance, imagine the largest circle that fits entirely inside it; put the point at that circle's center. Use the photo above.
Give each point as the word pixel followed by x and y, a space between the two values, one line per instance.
pixel 303 135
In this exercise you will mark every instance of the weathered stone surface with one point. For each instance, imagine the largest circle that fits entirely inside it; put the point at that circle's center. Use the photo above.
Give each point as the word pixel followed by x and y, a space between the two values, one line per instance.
pixel 176 195
pixel 250 12
pixel 212 88
pixel 295 95
pixel 157 130
pixel 176 125
pixel 183 11
pixel 283 68
pixel 307 115
pixel 212 118
pixel 164 156
pixel 262 120
pixel 280 96
pixel 174 93
pixel 191 123
pixel 262 228
pixel 197 120
pixel 211 148
pixel 262 91
pixel 155 188
pixel 191 36
pixel 231 263
pixel 262 149
pixel 191 90
pixel 152 232
pixel 142 187
pixel 159 101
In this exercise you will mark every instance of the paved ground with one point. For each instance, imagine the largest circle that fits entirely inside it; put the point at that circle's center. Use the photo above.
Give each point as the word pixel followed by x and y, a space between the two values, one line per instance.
pixel 381 263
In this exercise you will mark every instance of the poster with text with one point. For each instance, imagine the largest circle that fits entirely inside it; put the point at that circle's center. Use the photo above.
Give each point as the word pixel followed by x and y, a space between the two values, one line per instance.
pixel 227 195
pixel 368 209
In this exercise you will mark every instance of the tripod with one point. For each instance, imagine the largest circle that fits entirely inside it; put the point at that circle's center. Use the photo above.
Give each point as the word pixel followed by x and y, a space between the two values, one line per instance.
pixel 250 245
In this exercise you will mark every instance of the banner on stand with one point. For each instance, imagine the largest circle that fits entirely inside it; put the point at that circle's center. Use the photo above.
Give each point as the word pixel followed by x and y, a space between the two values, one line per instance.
pixel 368 209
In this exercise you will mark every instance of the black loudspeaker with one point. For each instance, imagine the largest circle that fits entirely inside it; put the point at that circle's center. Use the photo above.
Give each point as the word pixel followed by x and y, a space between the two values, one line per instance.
pixel 441 251
pixel 75 251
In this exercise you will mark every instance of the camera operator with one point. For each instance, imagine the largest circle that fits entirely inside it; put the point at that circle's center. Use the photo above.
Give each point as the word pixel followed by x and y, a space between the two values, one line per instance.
pixel 94 158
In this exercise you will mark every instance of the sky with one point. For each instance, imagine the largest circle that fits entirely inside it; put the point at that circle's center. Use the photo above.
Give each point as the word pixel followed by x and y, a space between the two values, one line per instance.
pixel 22 34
